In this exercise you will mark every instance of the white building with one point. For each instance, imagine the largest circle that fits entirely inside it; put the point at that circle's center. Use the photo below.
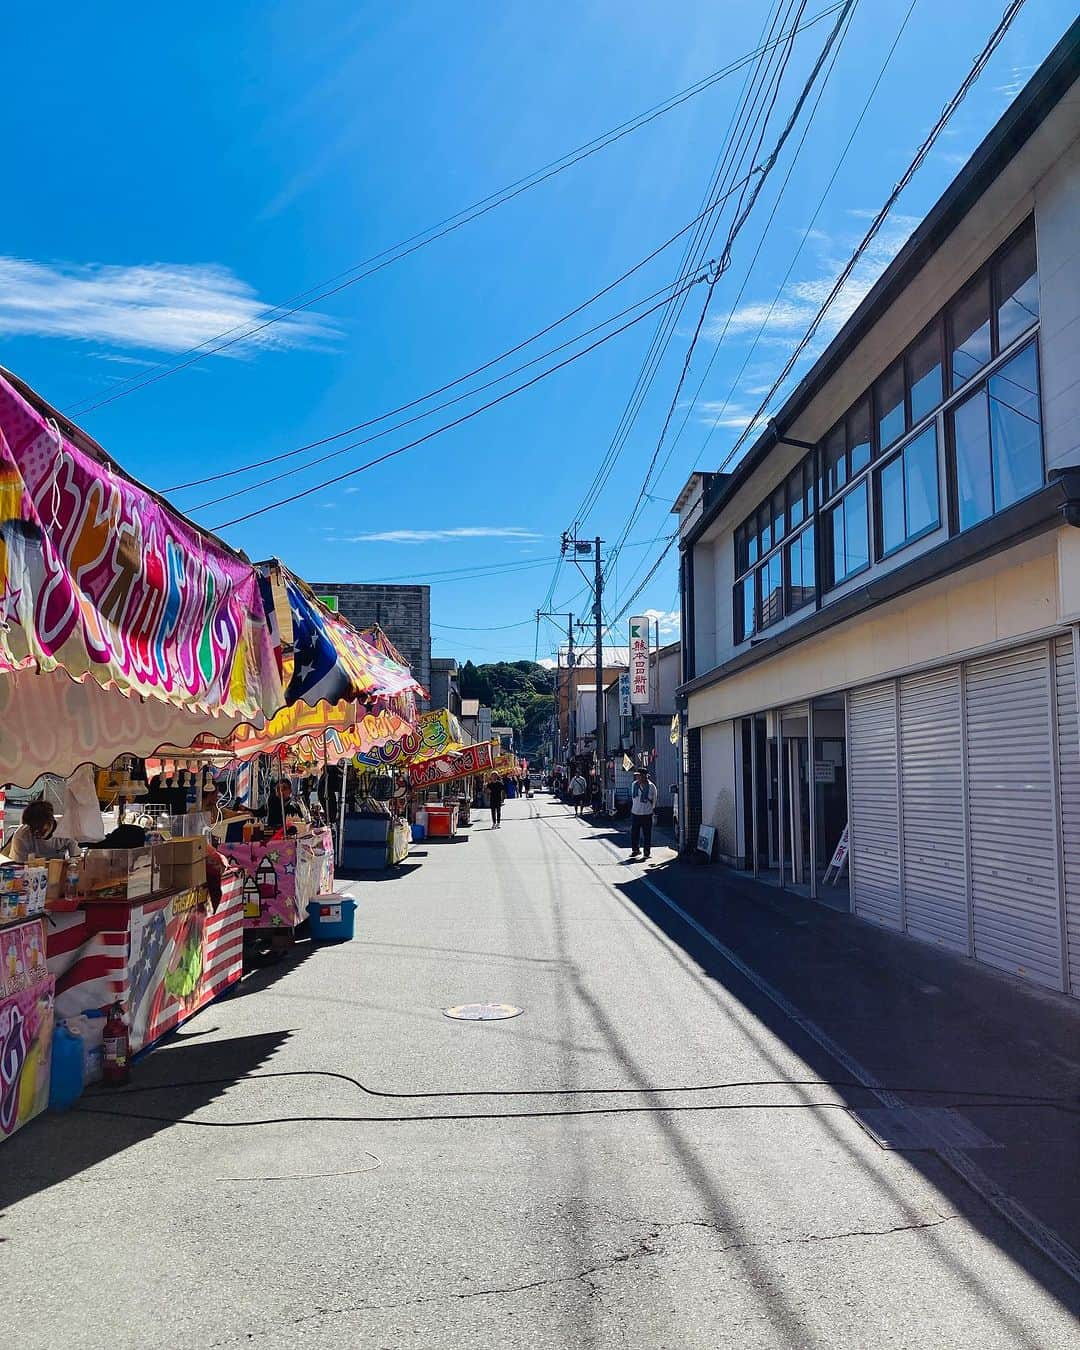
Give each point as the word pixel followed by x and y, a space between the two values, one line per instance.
pixel 881 601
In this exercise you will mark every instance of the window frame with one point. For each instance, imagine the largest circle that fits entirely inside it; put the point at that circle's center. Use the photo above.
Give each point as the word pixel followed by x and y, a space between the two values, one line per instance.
pixel 981 386
pixel 881 553
pixel 829 582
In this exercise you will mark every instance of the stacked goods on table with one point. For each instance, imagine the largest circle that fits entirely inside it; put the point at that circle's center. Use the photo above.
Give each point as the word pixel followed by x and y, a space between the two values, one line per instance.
pixel 22 891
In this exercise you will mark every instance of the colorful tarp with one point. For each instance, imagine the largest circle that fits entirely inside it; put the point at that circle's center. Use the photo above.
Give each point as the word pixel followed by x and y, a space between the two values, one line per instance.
pixel 457 764
pixel 100 582
pixel 346 730
pixel 438 732
pixel 324 659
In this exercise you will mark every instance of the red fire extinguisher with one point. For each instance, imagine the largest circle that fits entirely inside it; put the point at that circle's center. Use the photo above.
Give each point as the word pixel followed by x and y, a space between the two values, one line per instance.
pixel 115 1047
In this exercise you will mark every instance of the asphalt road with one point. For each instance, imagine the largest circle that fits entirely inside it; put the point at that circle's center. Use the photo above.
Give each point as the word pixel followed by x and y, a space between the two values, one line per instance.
pixel 481 1186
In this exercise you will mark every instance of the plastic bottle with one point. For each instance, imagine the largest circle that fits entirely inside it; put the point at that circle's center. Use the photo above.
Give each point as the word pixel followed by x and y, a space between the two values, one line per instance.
pixel 66 1075
pixel 71 885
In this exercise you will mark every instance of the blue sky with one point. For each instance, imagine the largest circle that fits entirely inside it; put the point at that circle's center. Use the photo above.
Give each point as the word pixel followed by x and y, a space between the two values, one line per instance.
pixel 172 172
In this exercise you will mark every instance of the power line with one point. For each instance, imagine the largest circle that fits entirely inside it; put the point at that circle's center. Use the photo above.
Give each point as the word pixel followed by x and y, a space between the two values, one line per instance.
pixel 692 403
pixel 806 234
pixel 396 252
pixel 265 460
pixel 973 74
pixel 665 329
pixel 447 426
pixel 950 108
pixel 737 225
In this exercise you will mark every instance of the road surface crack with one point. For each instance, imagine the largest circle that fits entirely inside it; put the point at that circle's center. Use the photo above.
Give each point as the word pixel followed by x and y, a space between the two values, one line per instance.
pixel 642 1247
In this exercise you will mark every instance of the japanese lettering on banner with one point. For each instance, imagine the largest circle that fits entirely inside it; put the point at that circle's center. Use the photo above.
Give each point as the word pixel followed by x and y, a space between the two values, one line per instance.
pixel 639 660
pixel 625 706
pixel 457 764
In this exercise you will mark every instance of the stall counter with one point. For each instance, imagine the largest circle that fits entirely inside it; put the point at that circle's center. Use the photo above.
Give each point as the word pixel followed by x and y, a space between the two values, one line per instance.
pixel 163 957
pixel 281 876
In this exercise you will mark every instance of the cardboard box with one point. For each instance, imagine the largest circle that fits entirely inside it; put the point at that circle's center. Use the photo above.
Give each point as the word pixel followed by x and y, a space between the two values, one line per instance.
pixel 179 864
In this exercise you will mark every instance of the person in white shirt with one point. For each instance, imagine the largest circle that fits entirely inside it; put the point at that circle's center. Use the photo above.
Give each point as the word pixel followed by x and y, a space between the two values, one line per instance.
pixel 642 806
pixel 578 788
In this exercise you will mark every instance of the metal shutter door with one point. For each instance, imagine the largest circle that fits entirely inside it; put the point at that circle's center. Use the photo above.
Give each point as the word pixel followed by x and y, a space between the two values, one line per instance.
pixel 1068 736
pixel 874 808
pixel 932 795
pixel 1013 836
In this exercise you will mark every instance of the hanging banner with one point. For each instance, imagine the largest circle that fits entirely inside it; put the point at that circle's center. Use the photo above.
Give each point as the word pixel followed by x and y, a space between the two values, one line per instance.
pixel 439 733
pixel 99 577
pixel 101 582
pixel 639 660
pixel 625 706
pixel 457 764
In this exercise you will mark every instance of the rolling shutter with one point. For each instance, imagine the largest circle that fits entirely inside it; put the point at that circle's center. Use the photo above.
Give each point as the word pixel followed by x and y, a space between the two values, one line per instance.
pixel 932 793
pixel 1069 770
pixel 874 807
pixel 1013 834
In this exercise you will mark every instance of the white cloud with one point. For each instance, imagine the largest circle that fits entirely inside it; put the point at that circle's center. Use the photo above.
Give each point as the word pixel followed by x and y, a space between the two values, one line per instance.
pixel 442 536
pixel 782 320
pixel 547 662
pixel 162 307
pixel 669 620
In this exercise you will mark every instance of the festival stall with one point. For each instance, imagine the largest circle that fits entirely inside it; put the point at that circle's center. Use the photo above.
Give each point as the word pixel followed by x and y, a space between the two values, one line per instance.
pixel 122 625
pixel 344 697
pixel 443 817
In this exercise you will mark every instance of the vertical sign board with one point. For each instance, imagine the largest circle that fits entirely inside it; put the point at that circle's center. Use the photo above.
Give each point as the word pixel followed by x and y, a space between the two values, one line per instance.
pixel 625 706
pixel 639 660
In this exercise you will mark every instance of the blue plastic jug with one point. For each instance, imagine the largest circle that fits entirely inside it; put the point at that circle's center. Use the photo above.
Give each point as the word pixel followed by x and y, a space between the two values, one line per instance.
pixel 66 1077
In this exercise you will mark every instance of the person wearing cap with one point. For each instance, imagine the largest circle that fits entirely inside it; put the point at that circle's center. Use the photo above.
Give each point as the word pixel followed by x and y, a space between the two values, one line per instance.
pixel 642 806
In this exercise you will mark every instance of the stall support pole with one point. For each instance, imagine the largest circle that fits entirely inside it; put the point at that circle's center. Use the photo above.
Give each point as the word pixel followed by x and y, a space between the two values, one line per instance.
pixel 341 814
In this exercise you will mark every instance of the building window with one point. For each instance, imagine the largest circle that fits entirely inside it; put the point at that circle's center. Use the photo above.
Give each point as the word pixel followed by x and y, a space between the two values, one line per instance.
pixel 772 589
pixel 1016 286
pixel 889 406
pixel 858 437
pixel 745 608
pixel 997 441
pixel 969 331
pixel 847 535
pixel 908 492
pixel 801 569
pixel 923 366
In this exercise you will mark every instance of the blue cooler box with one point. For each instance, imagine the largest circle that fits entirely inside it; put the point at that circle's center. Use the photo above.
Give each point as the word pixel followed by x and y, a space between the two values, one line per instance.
pixel 332 918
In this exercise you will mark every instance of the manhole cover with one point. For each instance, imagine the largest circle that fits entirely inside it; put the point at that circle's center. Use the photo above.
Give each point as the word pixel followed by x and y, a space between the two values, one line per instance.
pixel 482 1012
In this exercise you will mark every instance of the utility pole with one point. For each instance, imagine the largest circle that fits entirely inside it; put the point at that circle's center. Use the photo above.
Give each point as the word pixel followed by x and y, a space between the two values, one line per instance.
pixel 601 707
pixel 577 547
pixel 571 711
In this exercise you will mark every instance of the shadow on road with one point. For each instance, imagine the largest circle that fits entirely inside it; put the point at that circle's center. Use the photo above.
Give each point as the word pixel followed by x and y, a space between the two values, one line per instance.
pixel 57 1147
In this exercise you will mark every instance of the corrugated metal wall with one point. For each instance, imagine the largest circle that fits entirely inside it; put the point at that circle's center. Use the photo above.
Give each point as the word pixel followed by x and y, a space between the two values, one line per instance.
pixel 874 803
pixel 965 784
pixel 1068 739
pixel 1012 832
pixel 932 792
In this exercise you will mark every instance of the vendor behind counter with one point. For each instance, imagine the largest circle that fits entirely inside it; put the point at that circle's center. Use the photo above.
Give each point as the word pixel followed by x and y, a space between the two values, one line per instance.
pixel 283 811
pixel 37 835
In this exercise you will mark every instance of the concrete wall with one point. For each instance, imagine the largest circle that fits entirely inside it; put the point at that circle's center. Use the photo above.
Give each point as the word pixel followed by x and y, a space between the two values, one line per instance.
pixel 403 612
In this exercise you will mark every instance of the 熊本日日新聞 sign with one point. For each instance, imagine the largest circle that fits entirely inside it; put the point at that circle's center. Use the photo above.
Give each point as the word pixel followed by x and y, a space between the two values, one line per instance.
pixel 639 660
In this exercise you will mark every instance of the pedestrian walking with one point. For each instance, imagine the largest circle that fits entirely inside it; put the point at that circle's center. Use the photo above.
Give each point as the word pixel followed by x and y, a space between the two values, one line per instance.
pixel 578 788
pixel 642 806
pixel 496 796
